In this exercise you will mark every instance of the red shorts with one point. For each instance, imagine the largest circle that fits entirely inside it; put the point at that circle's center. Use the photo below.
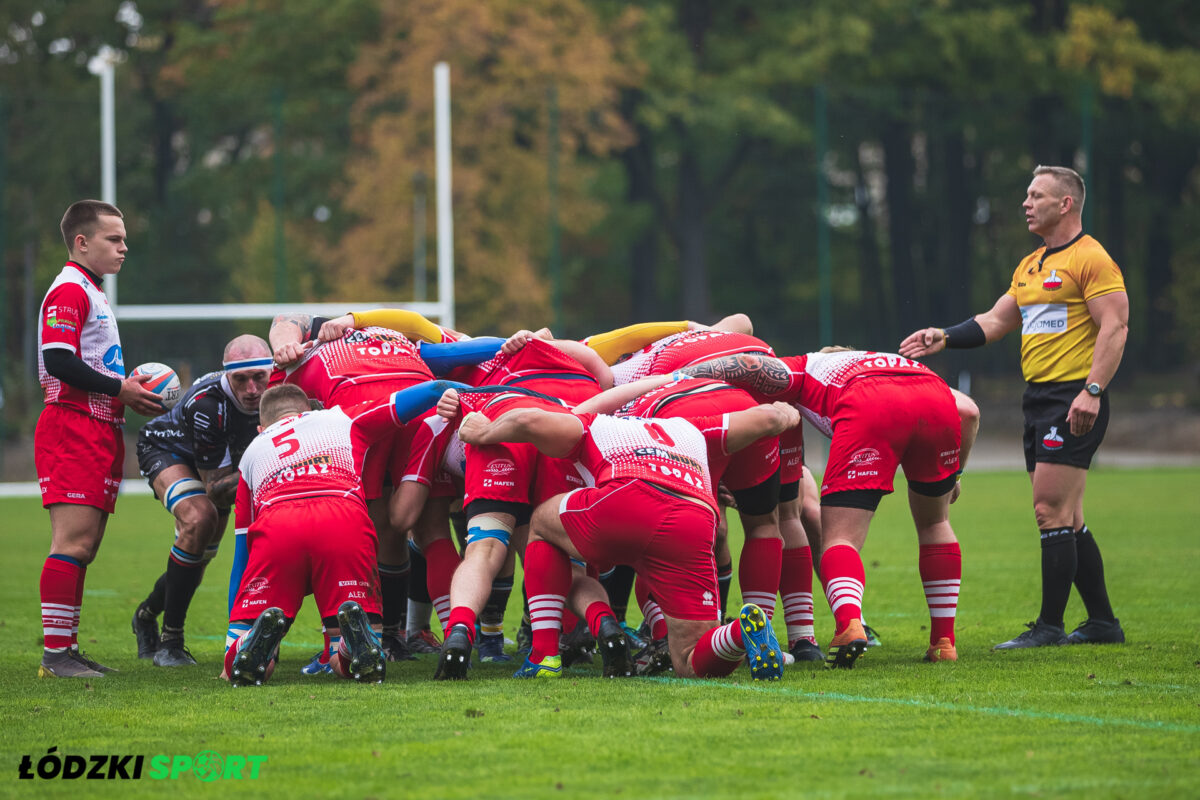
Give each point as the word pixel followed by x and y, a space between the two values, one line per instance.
pixel 383 453
pixel 886 421
pixel 324 546
pixel 78 458
pixel 666 539
pixel 791 455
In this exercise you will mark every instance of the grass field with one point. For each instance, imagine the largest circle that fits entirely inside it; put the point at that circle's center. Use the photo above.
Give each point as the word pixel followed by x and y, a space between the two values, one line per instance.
pixel 1091 722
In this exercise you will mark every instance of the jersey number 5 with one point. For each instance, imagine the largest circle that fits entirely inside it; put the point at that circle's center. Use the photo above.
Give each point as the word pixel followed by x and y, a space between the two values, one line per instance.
pixel 659 435
pixel 282 441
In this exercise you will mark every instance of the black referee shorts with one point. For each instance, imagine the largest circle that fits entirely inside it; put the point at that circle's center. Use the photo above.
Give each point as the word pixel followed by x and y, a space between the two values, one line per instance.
pixel 1048 438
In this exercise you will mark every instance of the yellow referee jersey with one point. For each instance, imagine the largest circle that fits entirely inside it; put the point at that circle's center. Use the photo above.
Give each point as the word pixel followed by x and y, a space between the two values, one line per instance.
pixel 1052 287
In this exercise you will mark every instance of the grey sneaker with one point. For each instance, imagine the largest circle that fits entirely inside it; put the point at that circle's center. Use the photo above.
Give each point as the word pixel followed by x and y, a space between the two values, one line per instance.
pixel 64 664
pixel 173 653
pixel 1097 631
pixel 91 663
pixel 1040 634
pixel 146 631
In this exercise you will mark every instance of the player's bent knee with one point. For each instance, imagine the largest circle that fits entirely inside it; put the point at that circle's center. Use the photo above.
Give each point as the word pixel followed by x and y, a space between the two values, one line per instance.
pixel 486 526
pixel 181 490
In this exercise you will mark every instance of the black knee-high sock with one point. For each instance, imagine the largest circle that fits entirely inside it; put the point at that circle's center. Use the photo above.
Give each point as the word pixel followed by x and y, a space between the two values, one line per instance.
pixel 1059 564
pixel 153 605
pixel 491 619
pixel 418 589
pixel 724 578
pixel 1089 577
pixel 184 571
pixel 393 595
pixel 618 583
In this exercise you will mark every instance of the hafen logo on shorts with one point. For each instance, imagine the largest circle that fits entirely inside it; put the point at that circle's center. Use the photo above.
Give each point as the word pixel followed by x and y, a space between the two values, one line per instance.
pixel 257 586
pixel 1052 441
pixel 868 455
pixel 501 466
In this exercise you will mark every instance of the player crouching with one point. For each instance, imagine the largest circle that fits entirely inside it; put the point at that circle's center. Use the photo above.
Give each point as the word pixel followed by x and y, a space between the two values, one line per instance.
pixel 302 524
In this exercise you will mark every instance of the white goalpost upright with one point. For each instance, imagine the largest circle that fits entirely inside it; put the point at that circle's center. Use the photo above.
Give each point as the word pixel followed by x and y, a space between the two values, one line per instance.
pixel 441 310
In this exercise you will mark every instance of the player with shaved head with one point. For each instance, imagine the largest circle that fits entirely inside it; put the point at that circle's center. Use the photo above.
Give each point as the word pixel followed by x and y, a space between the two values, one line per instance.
pixel 190 456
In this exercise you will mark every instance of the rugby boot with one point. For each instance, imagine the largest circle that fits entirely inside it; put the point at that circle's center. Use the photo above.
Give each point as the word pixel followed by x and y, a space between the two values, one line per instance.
pixel 395 648
pixel 614 649
pixel 1040 634
pixel 653 659
pixel 576 647
pixel 145 628
pixel 548 667
pixel 63 664
pixel 317 666
pixel 804 650
pixel 455 657
pixel 847 646
pixel 636 642
pixel 362 654
pixel 763 653
pixel 173 653
pixel 941 650
pixel 873 639
pixel 1097 631
pixel 490 647
pixel 256 649
pixel 424 642
pixel 91 663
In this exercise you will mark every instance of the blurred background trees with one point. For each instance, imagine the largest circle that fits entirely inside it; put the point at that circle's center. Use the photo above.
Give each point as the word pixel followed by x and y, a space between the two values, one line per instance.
pixel 844 171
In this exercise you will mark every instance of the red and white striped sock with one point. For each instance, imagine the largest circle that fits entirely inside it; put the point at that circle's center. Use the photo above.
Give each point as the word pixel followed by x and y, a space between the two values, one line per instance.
pixel 651 612
pixel 940 566
pixel 441 559
pixel 795 589
pixel 758 572
pixel 843 573
pixel 547 581
pixel 719 651
pixel 60 585
pixel 78 606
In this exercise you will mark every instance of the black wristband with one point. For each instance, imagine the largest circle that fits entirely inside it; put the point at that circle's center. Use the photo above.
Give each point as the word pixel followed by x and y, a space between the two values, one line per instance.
pixel 965 334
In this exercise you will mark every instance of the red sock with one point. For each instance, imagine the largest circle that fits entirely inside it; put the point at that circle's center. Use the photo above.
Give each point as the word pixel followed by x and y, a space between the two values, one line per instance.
pixel 547 581
pixel 462 615
pixel 940 566
pixel 719 651
pixel 441 559
pixel 795 589
pixel 570 620
pixel 650 609
pixel 596 612
pixel 758 572
pixel 844 576
pixel 61 582
pixel 230 654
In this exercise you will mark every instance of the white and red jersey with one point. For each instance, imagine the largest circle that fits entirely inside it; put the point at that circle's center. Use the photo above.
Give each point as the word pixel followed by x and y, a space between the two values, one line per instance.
pixel 818 379
pixel 684 350
pixel 319 453
pixel 361 356
pixel 671 453
pixel 76 316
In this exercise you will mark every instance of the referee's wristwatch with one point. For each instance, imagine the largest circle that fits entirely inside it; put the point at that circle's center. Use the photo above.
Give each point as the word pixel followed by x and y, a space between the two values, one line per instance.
pixel 1093 389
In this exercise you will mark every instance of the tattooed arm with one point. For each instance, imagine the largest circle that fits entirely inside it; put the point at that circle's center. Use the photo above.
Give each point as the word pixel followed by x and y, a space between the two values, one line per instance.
pixel 221 485
pixel 761 374
pixel 288 334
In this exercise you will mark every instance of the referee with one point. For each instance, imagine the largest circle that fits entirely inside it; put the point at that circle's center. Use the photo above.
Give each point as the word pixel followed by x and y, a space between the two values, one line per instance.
pixel 1068 298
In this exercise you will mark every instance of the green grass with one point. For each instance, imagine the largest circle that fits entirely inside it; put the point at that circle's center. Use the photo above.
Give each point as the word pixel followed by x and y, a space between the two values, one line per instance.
pixel 1067 722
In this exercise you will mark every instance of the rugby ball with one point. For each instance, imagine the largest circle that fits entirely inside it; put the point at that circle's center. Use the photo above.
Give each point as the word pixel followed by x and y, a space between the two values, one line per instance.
pixel 163 382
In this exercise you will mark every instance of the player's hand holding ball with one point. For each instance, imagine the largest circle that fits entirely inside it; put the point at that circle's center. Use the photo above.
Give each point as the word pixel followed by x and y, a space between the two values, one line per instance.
pixel 151 389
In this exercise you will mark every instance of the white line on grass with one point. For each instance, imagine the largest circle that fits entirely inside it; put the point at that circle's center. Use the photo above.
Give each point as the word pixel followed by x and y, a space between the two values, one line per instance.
pixel 914 703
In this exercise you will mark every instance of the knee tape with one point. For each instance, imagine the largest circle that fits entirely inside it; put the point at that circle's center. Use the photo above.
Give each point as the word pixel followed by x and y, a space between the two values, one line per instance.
pixel 180 490
pixel 485 526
